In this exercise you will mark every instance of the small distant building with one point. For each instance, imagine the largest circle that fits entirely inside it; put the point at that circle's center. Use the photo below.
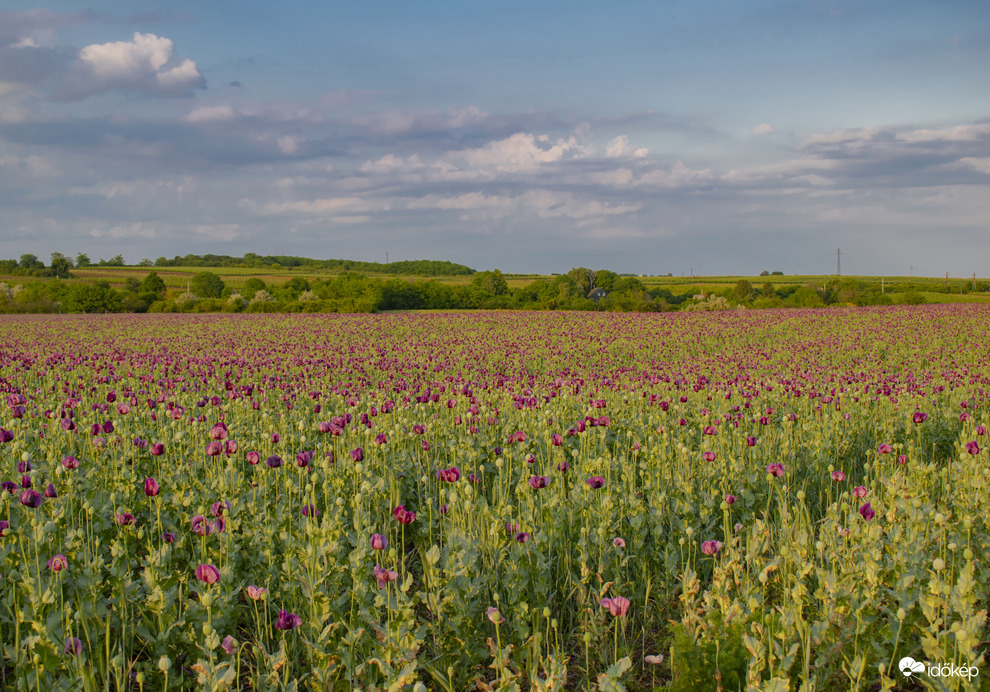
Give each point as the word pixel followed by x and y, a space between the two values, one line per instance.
pixel 597 294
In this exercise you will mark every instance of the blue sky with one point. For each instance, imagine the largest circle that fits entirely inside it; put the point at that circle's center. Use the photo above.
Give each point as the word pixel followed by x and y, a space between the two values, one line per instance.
pixel 645 137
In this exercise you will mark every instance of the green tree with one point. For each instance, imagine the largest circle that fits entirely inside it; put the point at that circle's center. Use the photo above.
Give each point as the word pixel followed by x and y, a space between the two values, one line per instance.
pixel 206 285
pixel 743 290
pixel 252 286
pixel 82 260
pixel 29 261
pixel 61 265
pixel 153 284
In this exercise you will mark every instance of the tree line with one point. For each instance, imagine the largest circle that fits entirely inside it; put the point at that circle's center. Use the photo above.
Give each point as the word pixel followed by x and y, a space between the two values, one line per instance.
pixel 578 289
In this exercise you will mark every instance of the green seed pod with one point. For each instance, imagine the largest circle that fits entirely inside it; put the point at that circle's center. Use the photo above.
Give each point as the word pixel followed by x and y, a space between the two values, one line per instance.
pixel 164 664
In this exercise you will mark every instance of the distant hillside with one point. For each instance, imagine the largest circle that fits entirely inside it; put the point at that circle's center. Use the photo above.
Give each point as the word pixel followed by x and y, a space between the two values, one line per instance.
pixel 404 268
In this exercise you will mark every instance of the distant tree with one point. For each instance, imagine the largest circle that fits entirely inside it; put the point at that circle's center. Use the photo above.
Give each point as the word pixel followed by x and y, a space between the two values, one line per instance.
pixel 132 285
pixel 29 261
pixel 776 273
pixel 605 279
pixel 584 279
pixel 206 285
pixel 61 265
pixel 743 289
pixel 252 286
pixel 82 260
pixel 768 291
pixel 764 273
pixel 146 263
pixel 153 284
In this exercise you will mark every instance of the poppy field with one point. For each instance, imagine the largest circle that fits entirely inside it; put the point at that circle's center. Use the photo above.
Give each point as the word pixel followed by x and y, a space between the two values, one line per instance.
pixel 774 500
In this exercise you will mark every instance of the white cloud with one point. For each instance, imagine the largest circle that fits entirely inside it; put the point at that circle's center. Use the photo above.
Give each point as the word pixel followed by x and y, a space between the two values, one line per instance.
pixel 147 63
pixel 621 148
pixel 763 129
pixel 206 114
pixel 289 144
pixel 520 153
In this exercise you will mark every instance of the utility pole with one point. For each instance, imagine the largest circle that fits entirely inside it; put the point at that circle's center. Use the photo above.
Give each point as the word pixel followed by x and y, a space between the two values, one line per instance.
pixel 974 281
pixel 911 271
pixel 386 257
pixel 947 280
pixel 882 285
pixel 838 263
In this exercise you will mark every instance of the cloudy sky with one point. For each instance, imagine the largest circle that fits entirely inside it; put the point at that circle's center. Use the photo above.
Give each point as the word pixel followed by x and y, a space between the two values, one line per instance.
pixel 646 136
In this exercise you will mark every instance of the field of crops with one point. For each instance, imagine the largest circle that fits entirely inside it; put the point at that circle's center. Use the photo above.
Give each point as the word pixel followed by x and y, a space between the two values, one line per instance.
pixel 779 499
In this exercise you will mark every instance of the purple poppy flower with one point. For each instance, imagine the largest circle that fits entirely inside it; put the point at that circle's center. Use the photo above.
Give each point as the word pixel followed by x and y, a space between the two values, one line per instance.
pixel 595 482
pixel 522 537
pixel 252 458
pixel 158 449
pixel 730 499
pixel 23 466
pixel 838 476
pixel 67 424
pixel 108 427
pixel 384 576
pixel 218 432
pixel 201 526
pixel 556 439
pixel 151 487
pixel 58 563
pixel 125 519
pixel 26 482
pixel 859 491
pixel 4 528
pixel 310 511
pixel 708 456
pixel 973 448
pixel 495 616
pixel 168 537
pixel 214 448
pixel 981 430
pixel 208 574
pixel 750 441
pixel 287 620
pixel 256 593
pixel 537 482
pixel 711 547
pixel 451 475
pixel 562 466
pixel 9 486
pixel 50 491
pixel 70 462
pixel 379 542
pixel 617 606
pixel 32 498
pixel 776 470
pixel 140 443
pixel 6 435
pixel 220 507
pixel 274 461
pixel 884 448
pixel 619 542
pixel 381 438
pixel 229 645
pixel 403 516
pixel 920 417
pixel 357 454
pixel 867 512
pixel 73 646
